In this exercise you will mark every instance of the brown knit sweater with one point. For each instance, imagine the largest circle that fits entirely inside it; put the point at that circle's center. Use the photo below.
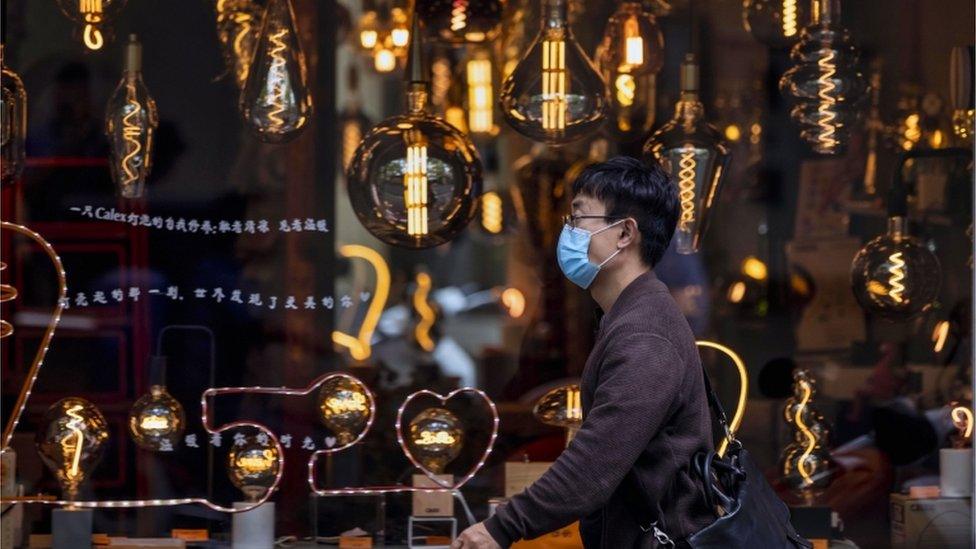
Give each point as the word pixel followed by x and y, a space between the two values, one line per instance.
pixel 644 410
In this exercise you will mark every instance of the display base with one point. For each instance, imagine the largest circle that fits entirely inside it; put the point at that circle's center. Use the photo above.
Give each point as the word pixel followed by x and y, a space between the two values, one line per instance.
pixel 71 528
pixel 413 539
pixel 254 529
pixel 956 472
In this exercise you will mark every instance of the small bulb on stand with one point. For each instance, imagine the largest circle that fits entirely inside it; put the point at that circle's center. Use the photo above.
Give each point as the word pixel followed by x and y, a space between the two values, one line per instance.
pixel 156 420
pixel 276 103
pixel 92 18
pixel 253 466
pixel 71 440
pixel 694 153
pixel 13 123
pixel 555 94
pixel 775 23
pixel 435 438
pixel 561 407
pixel 344 407
pixel 130 122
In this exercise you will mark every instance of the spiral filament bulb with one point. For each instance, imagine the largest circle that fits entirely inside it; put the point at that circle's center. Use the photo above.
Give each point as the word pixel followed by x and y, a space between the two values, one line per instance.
pixel 491 212
pixel 554 84
pixel 131 132
pixel 93 13
pixel 809 439
pixel 686 187
pixel 278 62
pixel 897 277
pixel 73 446
pixel 790 23
pixel 459 15
pixel 415 183
pixel 827 117
pixel 7 293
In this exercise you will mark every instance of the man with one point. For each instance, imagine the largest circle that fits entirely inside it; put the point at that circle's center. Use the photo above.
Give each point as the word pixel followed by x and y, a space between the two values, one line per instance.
pixel 625 475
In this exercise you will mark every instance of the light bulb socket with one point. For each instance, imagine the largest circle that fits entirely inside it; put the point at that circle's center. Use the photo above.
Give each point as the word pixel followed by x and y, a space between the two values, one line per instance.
pixel 133 55
pixel 689 75
pixel 157 370
pixel 554 14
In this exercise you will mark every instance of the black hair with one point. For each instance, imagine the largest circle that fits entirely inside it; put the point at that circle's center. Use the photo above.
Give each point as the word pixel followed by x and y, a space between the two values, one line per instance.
pixel 643 191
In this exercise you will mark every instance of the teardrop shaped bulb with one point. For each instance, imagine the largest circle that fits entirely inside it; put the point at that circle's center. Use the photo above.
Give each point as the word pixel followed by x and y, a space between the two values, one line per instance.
pixel 276 103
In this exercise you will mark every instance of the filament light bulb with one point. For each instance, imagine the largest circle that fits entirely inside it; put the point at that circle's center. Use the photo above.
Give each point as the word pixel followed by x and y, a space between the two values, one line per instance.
pixel 775 23
pixel 480 97
pixel 694 153
pixel 561 407
pixel 92 18
pixel 345 407
pixel 435 438
pixel 276 103
pixel 71 440
pixel 156 420
pixel 806 462
pixel 237 30
pixel 131 119
pixel 555 94
pixel 461 21
pixel 253 466
pixel 13 122
pixel 962 420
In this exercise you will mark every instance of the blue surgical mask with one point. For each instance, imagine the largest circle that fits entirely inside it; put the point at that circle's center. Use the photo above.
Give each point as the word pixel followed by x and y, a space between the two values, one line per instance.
pixel 573 253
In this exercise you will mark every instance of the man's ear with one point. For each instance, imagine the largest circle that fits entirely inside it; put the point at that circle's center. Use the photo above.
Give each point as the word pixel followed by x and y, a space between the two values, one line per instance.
pixel 628 232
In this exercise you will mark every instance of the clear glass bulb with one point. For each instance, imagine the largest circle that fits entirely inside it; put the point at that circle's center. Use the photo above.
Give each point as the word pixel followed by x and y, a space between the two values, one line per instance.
pixel 71 441
pixel 435 438
pixel 276 103
pixel 825 86
pixel 895 276
pixel 130 123
pixel 775 23
pixel 253 466
pixel 805 462
pixel 156 420
pixel 92 18
pixel 693 152
pixel 237 31
pixel 13 123
pixel 344 407
pixel 555 94
pixel 462 21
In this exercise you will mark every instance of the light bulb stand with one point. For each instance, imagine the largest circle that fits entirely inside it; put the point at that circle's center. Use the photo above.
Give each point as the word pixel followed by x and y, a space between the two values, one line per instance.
pixel 254 529
pixel 71 528
pixel 956 472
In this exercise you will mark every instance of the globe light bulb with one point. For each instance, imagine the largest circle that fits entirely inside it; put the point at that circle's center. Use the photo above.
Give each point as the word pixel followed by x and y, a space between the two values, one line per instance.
pixel 461 21
pixel 130 122
pixel 253 465
pixel 805 462
pixel 71 440
pixel 694 153
pixel 555 94
pixel 435 438
pixel 92 17
pixel 561 407
pixel 237 31
pixel 276 103
pixel 156 420
pixel 13 122
pixel 345 407
pixel 775 23
pixel 415 179
pixel 824 85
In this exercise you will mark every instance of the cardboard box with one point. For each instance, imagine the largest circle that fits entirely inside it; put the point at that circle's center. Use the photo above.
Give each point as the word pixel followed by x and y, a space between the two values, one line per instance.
pixel 432 504
pixel 943 523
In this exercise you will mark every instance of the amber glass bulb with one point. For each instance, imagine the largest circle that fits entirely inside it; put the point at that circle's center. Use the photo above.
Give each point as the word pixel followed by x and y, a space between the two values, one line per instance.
pixel 462 21
pixel 276 103
pixel 131 119
pixel 344 407
pixel 13 123
pixel 71 440
pixel 435 438
pixel 253 466
pixel 92 18
pixel 156 420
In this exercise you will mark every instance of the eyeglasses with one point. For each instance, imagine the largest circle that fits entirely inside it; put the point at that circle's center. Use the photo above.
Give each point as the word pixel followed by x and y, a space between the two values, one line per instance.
pixel 573 220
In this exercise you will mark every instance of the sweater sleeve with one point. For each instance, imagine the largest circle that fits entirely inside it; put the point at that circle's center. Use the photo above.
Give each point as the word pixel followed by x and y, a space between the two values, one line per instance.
pixel 637 384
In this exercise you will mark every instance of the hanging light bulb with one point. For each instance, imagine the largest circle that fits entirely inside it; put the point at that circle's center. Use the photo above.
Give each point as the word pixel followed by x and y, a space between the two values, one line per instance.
pixel 237 31
pixel 156 420
pixel 13 123
pixel 253 466
pixel 92 16
pixel 70 442
pixel 415 179
pixel 353 122
pixel 436 437
pixel 961 92
pixel 276 103
pixel 693 152
pixel 629 57
pixel 561 407
pixel 824 85
pixel 775 23
pixel 384 58
pixel 368 30
pixel 345 407
pixel 480 100
pixel 130 122
pixel 461 21
pixel 895 276
pixel 555 94
pixel 399 29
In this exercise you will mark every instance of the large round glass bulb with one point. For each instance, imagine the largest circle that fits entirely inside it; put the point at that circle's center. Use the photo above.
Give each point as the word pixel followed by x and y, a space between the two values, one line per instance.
pixel 345 407
pixel 895 276
pixel 71 440
pixel 435 438
pixel 414 181
pixel 775 23
pixel 461 21
pixel 555 94
pixel 253 466
pixel 156 420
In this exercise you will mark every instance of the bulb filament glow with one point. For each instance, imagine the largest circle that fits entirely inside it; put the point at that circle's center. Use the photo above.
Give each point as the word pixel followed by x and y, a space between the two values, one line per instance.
pixel 353 403
pixel 93 13
pixel 74 446
pixel 554 84
pixel 131 133
pixel 154 423
pixel 459 15
pixel 811 440
pixel 827 117
pixel 686 187
pixel 491 212
pixel 276 89
pixel 940 335
pixel 368 38
pixel 626 89
pixel 427 438
pixel 574 410
pixel 359 346
pixel 962 419
pixel 633 44
pixel 514 301
pixel 480 104
pixel 789 18
pixel 256 464
pixel 897 277
pixel 415 183
pixel 426 312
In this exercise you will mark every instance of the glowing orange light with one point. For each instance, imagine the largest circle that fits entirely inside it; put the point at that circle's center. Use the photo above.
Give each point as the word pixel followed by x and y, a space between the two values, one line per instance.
pixel 514 301
pixel 359 345
pixel 427 315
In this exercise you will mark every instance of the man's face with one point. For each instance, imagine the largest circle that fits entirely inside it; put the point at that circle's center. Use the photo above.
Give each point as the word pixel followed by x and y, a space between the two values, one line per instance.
pixel 601 245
